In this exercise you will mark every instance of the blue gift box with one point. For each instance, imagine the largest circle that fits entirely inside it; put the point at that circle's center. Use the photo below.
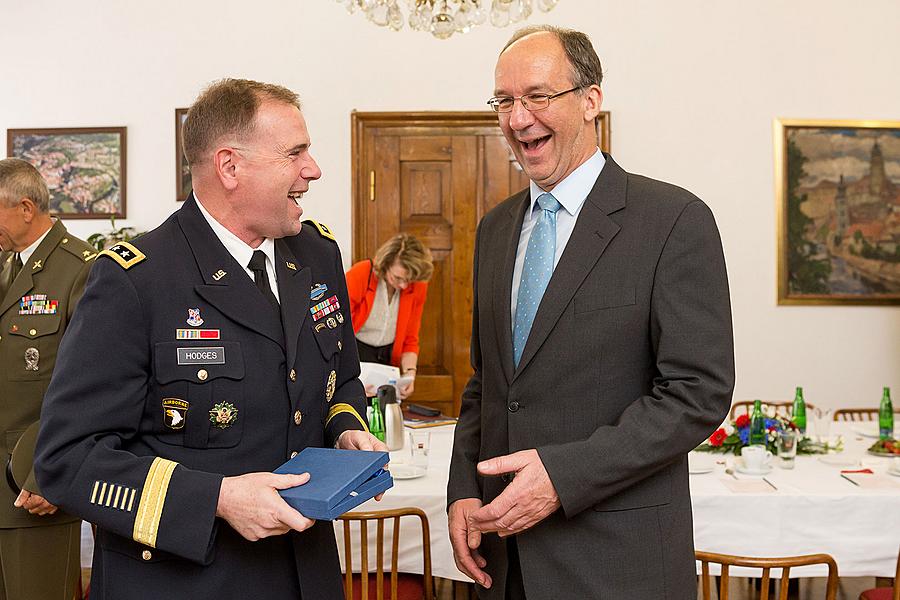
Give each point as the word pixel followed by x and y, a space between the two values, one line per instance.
pixel 339 480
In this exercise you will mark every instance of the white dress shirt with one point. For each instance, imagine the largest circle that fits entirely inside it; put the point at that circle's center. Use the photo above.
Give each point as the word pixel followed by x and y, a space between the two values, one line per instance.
pixel 25 254
pixel 571 193
pixel 380 328
pixel 241 251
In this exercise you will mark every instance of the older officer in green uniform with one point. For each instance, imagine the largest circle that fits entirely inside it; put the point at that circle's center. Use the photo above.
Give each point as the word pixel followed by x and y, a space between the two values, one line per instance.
pixel 42 275
pixel 203 356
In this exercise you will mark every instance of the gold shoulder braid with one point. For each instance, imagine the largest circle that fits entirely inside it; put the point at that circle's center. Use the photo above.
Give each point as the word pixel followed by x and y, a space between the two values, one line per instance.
pixel 322 229
pixel 125 254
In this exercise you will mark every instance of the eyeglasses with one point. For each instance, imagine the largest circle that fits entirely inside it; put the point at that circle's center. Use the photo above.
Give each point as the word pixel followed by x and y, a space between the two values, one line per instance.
pixel 530 102
pixel 396 279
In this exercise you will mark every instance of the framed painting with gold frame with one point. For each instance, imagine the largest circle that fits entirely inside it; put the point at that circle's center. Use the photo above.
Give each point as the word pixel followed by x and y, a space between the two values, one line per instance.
pixel 182 170
pixel 838 192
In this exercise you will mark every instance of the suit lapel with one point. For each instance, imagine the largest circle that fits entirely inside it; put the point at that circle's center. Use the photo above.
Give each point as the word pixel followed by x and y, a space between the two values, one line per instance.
pixel 506 247
pixel 593 232
pixel 226 285
pixel 293 293
pixel 24 281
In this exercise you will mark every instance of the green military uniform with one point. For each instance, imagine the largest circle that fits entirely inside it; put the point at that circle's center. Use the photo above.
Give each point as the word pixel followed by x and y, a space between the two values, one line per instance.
pixel 39 554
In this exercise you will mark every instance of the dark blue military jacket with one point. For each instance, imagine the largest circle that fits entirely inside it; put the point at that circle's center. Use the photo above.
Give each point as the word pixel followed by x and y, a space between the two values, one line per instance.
pixel 176 372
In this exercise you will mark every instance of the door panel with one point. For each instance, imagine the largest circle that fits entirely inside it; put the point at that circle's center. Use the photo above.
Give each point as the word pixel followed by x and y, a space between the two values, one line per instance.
pixel 434 175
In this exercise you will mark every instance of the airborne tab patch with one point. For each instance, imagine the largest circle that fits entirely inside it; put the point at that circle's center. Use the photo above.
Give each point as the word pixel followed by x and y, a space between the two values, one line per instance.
pixel 125 254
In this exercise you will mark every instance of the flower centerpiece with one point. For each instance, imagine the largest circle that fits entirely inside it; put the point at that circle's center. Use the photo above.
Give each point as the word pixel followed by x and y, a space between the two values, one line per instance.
pixel 733 436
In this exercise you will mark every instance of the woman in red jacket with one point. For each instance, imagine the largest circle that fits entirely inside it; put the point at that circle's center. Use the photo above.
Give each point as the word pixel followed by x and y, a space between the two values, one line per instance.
pixel 387 294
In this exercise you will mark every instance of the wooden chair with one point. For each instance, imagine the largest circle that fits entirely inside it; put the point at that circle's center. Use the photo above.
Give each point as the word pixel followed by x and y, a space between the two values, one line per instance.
pixel 745 407
pixel 766 564
pixel 885 593
pixel 400 586
pixel 859 414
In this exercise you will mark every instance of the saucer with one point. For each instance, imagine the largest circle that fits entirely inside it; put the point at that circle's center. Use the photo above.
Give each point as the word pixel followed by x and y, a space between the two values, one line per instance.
pixel 893 471
pixel 740 467
pixel 838 460
pixel 699 464
pixel 399 471
pixel 869 431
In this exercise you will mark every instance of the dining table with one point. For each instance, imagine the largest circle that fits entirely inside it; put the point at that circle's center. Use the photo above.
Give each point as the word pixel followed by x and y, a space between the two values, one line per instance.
pixel 810 508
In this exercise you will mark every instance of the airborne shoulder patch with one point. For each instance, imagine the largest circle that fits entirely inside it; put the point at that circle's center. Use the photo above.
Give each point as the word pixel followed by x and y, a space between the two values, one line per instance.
pixel 125 254
pixel 323 230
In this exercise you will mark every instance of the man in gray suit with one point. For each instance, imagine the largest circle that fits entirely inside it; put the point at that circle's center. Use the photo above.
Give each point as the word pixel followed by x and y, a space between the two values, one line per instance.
pixel 603 353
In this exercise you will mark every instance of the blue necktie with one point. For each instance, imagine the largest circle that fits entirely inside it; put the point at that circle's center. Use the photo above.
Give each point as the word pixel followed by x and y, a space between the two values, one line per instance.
pixel 536 271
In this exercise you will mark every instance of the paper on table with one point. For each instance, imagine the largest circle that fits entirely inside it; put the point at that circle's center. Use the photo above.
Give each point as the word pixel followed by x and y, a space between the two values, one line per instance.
pixel 376 374
pixel 747 486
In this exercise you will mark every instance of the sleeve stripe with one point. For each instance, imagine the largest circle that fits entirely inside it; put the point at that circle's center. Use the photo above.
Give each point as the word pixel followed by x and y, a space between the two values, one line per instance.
pixel 116 499
pixel 94 492
pixel 130 500
pixel 345 408
pixel 153 499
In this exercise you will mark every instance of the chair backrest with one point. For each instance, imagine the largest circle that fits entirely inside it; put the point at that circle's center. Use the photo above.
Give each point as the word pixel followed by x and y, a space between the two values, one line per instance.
pixel 745 407
pixel 766 564
pixel 380 516
pixel 859 414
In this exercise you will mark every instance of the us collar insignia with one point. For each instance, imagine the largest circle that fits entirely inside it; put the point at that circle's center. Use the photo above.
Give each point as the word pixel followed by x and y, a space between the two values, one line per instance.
pixel 174 412
pixel 219 274
pixel 223 415
pixel 290 266
pixel 317 292
pixel 194 319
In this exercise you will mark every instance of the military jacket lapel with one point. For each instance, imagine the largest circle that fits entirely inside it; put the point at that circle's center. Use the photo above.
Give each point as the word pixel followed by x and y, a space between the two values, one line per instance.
pixel 293 292
pixel 226 286
pixel 24 282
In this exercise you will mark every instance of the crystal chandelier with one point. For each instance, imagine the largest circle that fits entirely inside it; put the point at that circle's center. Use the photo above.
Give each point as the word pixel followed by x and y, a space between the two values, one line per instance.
pixel 444 17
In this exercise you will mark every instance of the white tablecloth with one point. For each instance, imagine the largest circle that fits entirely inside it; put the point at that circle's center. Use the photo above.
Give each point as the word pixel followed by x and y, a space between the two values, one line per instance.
pixel 814 510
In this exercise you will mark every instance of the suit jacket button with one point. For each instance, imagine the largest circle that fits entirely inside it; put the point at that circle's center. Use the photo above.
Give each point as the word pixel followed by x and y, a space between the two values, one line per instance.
pixel 202 374
pixel 293 375
pixel 340 345
pixel 513 406
pixel 298 417
pixel 146 555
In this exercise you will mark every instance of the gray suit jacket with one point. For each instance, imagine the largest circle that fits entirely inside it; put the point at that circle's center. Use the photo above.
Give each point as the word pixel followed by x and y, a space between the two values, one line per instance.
pixel 629 365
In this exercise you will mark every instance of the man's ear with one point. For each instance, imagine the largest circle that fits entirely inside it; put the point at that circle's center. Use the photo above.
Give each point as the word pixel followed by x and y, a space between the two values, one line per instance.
pixel 593 99
pixel 28 209
pixel 225 162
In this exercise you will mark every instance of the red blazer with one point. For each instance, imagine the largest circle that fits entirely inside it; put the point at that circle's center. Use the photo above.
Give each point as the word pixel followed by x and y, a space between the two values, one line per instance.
pixel 361 284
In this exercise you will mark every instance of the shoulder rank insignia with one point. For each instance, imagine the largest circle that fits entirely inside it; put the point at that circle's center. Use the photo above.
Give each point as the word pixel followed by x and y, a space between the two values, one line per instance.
pixel 323 229
pixel 88 255
pixel 125 254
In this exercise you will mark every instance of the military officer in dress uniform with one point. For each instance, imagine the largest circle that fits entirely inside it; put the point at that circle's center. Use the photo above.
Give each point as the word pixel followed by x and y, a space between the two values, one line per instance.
pixel 42 273
pixel 203 356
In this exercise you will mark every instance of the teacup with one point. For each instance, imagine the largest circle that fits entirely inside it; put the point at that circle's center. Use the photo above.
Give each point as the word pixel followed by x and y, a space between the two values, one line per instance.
pixel 756 458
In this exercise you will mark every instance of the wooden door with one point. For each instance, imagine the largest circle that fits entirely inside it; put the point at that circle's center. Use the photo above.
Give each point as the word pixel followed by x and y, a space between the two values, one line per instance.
pixel 434 175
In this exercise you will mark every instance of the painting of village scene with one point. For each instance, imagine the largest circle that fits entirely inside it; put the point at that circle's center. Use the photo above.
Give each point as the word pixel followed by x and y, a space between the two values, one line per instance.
pixel 840 221
pixel 84 168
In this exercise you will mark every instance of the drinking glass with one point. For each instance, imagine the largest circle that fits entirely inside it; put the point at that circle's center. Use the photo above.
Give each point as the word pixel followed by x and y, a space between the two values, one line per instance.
pixel 787 448
pixel 822 423
pixel 419 444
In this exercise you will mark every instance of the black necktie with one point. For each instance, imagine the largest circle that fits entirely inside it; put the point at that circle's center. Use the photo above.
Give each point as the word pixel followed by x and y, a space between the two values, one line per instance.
pixel 261 277
pixel 7 282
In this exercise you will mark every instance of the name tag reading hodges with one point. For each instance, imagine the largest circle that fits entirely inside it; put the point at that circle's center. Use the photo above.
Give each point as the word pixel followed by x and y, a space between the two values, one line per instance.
pixel 212 355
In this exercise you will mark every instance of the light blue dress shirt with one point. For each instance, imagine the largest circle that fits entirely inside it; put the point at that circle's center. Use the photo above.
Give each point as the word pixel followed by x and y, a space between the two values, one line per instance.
pixel 571 192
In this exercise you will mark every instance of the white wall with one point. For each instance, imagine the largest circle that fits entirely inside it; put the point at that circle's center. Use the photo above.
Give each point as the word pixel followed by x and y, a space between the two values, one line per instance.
pixel 693 86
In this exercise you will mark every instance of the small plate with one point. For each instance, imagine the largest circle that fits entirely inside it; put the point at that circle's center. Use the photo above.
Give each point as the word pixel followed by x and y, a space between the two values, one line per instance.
pixel 700 463
pixel 406 471
pixel 869 431
pixel 741 468
pixel 838 460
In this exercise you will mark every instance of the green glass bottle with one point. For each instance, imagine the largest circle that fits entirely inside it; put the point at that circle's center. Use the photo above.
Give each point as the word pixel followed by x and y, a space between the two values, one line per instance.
pixel 799 411
pixel 886 416
pixel 757 425
pixel 376 421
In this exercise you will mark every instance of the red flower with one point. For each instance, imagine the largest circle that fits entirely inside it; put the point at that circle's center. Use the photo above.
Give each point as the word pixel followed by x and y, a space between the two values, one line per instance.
pixel 742 421
pixel 718 437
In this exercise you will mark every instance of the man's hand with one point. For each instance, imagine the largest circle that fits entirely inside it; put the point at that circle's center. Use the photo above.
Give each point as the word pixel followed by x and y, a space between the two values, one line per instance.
pixel 251 505
pixel 34 503
pixel 354 439
pixel 527 500
pixel 465 540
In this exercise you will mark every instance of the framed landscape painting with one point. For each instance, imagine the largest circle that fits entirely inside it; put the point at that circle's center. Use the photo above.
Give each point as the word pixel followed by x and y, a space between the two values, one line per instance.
pixel 838 189
pixel 182 170
pixel 84 167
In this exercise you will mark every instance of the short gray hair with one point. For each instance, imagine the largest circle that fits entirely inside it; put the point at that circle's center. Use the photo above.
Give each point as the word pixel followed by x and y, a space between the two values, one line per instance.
pixel 19 179
pixel 585 63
